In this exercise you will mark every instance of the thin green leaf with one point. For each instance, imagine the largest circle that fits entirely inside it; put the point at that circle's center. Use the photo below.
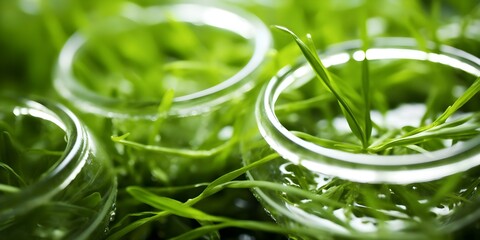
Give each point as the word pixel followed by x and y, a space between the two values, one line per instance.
pixel 175 189
pixel 466 96
pixel 210 190
pixel 7 142
pixel 162 113
pixel 458 129
pixel 365 78
pixel 252 225
pixel 124 230
pixel 434 20
pixel 304 104
pixel 213 186
pixel 289 190
pixel 120 138
pixel 322 73
pixel 418 149
pixel 344 146
pixel 168 204
pixel 9 169
pixel 45 152
pixel 173 151
pixel 8 188
pixel 446 189
pixel 452 109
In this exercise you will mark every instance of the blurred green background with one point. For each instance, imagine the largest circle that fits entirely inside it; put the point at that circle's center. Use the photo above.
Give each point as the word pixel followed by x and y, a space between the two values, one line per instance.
pixel 32 32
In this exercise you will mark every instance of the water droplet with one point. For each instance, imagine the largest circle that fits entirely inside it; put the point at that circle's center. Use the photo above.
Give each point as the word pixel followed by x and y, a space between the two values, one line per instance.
pixel 241 203
pixel 112 216
pixel 245 236
pixel 225 133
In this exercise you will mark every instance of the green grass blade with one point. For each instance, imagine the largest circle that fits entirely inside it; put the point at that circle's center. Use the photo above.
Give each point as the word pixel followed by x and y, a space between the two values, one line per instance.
pixel 174 151
pixel 120 234
pixel 303 104
pixel 213 186
pixel 211 189
pixel 466 96
pixel 343 146
pixel 171 205
pixel 162 112
pixel 322 73
pixel 251 225
pixel 365 77
pixel 8 188
pixel 175 189
pixel 462 128
pixel 289 190
pixel 6 145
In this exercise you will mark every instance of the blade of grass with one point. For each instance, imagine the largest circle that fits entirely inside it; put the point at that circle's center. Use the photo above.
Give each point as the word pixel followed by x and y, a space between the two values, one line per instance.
pixel 322 73
pixel 162 112
pixel 8 188
pixel 435 15
pixel 171 205
pixel 286 189
pixel 211 189
pixel 252 225
pixel 213 186
pixel 365 77
pixel 303 104
pixel 450 130
pixel 464 98
pixel 344 146
pixel 173 151
pixel 124 230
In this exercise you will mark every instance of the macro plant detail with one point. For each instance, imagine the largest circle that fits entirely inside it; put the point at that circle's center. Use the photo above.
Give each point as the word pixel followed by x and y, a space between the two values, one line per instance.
pixel 196 120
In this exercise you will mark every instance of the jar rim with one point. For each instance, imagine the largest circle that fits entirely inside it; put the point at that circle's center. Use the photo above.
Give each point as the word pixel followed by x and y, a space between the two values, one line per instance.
pixel 234 20
pixel 66 168
pixel 361 167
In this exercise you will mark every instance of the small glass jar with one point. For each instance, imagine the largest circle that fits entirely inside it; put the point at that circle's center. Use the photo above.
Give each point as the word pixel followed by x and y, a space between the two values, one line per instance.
pixel 118 73
pixel 401 194
pixel 55 180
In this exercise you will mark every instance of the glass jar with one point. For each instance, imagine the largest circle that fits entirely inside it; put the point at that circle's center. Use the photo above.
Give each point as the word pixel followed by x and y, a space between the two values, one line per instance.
pixel 426 191
pixel 55 182
pixel 173 77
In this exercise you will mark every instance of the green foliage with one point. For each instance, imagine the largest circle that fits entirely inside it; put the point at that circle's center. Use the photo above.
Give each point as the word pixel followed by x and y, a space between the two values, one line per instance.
pixel 150 195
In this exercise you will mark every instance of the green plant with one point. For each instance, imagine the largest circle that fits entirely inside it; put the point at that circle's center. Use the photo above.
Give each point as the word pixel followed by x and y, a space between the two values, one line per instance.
pixel 356 109
pixel 34 39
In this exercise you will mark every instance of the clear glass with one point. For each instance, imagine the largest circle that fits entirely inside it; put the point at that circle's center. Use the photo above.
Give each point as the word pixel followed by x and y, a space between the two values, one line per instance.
pixel 400 195
pixel 56 182
pixel 119 88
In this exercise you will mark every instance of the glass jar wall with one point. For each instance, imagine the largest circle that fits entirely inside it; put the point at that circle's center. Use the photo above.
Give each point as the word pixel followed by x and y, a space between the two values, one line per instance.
pixel 56 181
pixel 395 186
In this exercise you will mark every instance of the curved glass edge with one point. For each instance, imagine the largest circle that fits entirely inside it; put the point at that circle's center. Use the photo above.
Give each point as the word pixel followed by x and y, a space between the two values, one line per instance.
pixel 402 169
pixel 77 155
pixel 234 20
pixel 67 167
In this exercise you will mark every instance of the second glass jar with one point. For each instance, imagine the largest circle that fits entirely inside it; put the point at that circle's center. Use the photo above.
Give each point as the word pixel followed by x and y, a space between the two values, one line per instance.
pixel 422 190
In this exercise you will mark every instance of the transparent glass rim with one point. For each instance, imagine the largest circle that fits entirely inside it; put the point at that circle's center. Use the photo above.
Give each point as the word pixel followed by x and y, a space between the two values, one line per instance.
pixel 65 169
pixel 231 19
pixel 401 169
